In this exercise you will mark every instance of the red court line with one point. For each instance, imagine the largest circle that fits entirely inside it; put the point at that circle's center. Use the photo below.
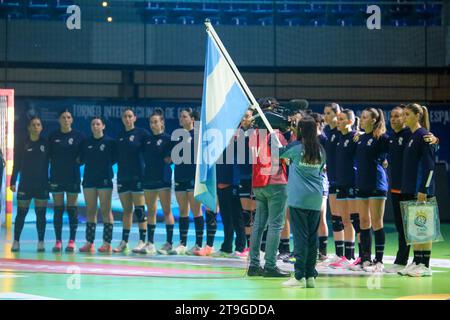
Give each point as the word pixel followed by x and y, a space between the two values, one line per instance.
pixel 64 267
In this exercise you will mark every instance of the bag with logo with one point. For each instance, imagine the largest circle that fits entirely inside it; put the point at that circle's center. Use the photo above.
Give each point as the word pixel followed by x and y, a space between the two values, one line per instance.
pixel 421 221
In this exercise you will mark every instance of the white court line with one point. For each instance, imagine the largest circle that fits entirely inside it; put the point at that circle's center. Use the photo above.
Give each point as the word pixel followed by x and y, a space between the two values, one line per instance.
pixel 148 261
pixel 7 276
pixel 23 296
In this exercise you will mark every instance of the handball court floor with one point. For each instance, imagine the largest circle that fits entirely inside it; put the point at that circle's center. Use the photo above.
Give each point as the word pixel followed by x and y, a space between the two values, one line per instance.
pixel 32 275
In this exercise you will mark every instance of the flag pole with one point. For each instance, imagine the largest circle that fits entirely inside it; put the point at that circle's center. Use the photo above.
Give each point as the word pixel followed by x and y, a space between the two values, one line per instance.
pixel 255 104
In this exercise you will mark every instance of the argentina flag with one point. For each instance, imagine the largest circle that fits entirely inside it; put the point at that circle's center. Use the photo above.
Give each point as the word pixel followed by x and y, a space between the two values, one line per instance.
pixel 224 103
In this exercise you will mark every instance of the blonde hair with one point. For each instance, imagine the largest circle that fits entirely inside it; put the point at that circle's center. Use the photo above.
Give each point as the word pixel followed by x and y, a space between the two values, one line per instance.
pixel 422 111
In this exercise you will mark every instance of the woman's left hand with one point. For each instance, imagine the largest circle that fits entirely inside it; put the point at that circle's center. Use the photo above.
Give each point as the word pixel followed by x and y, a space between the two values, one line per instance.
pixel 431 138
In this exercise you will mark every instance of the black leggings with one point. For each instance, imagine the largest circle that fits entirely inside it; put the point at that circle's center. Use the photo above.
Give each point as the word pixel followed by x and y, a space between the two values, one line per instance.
pixel 232 219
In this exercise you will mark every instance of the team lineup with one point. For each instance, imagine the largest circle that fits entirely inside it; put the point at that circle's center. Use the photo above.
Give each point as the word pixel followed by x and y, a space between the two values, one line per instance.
pixel 336 158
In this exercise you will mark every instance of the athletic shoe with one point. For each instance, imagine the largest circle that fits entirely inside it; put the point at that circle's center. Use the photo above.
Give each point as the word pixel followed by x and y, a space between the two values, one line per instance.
pixel 192 251
pixel 395 268
pixel 328 261
pixel 58 246
pixel 356 262
pixel 342 263
pixel 310 283
pixel 283 255
pixel 205 251
pixel 15 246
pixel 247 250
pixel 289 259
pixel 221 254
pixel 149 249
pixel 180 250
pixel 122 247
pixel 294 283
pixel 239 255
pixel 375 267
pixel 255 271
pixel 139 247
pixel 88 248
pixel 105 248
pixel 165 249
pixel 40 246
pixel 358 266
pixel 276 273
pixel 71 246
pixel 405 270
pixel 420 271
pixel 322 257
pixel 367 266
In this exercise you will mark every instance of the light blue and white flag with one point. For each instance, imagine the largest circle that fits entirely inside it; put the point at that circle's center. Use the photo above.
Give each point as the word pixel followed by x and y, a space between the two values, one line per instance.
pixel 224 102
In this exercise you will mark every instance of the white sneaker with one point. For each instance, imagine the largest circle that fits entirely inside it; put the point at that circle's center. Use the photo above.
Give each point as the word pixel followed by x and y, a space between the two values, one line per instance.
pixel 180 250
pixel 395 268
pixel 366 266
pixel 165 249
pixel 310 283
pixel 122 247
pixel 193 250
pixel 294 283
pixel 405 270
pixel 376 267
pixel 149 249
pixel 420 271
pixel 356 267
pixel 140 247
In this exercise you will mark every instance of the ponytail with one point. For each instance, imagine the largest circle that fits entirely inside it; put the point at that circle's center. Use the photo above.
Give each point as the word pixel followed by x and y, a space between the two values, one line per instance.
pixel 379 127
pixel 425 119
pixel 422 111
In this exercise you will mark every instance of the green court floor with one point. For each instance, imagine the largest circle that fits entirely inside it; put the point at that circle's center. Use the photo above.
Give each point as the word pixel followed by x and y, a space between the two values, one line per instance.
pixel 31 275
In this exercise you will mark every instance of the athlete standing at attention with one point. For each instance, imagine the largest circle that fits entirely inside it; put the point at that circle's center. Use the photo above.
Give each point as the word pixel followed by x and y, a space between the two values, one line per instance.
pixel 345 181
pixel 399 136
pixel 245 176
pixel 65 150
pixel 31 162
pixel 158 181
pixel 331 113
pixel 417 179
pixel 372 186
pixel 184 186
pixel 99 155
pixel 130 164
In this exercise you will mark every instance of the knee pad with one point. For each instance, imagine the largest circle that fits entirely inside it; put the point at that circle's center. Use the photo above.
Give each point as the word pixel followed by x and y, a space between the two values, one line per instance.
pixel 139 213
pixel 355 222
pixel 337 224
pixel 247 218
pixel 211 218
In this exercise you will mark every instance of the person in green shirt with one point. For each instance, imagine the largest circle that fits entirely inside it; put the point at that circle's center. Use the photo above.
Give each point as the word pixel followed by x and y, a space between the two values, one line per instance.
pixel 305 189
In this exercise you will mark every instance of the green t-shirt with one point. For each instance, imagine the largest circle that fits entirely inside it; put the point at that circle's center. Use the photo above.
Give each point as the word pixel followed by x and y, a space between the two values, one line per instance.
pixel 305 185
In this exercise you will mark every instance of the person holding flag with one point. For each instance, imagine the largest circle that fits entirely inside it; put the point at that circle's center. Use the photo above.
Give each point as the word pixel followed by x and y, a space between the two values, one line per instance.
pixel 226 98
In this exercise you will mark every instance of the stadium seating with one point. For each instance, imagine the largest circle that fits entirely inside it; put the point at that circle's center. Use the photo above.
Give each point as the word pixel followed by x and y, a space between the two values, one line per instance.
pixel 288 13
